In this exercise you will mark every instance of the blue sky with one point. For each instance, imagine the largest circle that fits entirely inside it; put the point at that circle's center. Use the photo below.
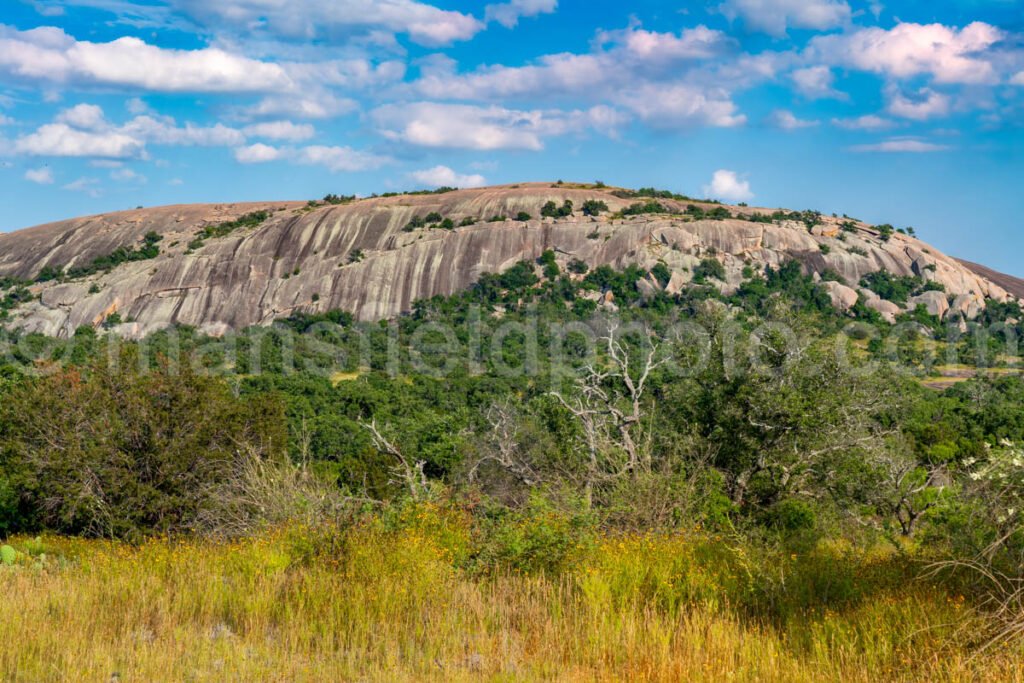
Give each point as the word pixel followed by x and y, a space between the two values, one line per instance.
pixel 904 112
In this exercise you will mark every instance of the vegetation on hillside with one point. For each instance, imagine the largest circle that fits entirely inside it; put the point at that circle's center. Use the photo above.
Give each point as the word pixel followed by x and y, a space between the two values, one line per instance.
pixel 756 466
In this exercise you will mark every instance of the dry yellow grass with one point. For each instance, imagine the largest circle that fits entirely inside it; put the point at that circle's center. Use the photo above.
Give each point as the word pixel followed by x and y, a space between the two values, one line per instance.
pixel 394 606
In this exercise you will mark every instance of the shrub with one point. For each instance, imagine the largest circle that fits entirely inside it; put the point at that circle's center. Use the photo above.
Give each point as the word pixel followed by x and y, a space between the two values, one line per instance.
pixel 467 221
pixel 433 217
pixel 641 208
pixel 578 267
pixel 522 216
pixel 552 210
pixel 116 450
pixel 547 260
pixel 709 268
pixel 594 207
pixel 334 199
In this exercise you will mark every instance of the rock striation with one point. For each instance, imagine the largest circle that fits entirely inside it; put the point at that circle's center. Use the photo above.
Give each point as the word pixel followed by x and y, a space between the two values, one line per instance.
pixel 361 258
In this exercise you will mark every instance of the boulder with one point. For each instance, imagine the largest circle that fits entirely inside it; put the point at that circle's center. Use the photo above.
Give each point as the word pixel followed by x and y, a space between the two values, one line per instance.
pixel 843 297
pixel 967 306
pixel 887 309
pixel 935 302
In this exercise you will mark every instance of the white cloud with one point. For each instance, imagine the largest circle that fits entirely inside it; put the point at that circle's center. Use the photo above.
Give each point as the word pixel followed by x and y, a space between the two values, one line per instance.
pixel 163 130
pixel 257 154
pixel 866 122
pixel 459 126
pixel 125 175
pixel 89 186
pixel 308 20
pixel 136 106
pixel 911 145
pixel 83 131
pixel 622 59
pixel 335 159
pixel 1018 79
pixel 5 120
pixel 682 106
pixel 84 116
pixel 61 140
pixel 42 176
pixel 442 176
pixel 727 185
pixel 341 158
pixel 48 54
pixel 307 106
pixel 947 54
pixel 280 130
pixel 923 105
pixel 786 120
pixel 815 83
pixel 508 14
pixel 775 16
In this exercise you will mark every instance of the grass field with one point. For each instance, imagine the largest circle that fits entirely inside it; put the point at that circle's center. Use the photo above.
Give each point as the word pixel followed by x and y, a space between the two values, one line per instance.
pixel 406 603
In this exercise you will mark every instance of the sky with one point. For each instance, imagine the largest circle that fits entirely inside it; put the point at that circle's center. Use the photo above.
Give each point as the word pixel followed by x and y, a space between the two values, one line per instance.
pixel 901 111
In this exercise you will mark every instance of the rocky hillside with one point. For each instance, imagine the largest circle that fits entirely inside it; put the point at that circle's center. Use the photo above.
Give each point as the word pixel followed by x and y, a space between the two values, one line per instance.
pixel 200 265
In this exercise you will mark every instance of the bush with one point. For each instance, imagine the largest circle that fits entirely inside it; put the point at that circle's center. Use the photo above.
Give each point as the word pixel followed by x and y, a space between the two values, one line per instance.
pixel 594 207
pixel 709 268
pixel 552 210
pixel 641 208
pixel 522 216
pixel 578 267
pixel 117 451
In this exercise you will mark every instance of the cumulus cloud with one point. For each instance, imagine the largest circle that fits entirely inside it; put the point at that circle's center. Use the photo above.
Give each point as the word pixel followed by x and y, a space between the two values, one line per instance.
pixel 729 186
pixel 257 154
pixel 442 176
pixel 5 120
pixel 621 59
pixel 322 105
pixel 49 54
pixel 508 14
pixel 816 83
pixel 1018 79
pixel 84 131
pixel 336 159
pixel 61 140
pixel 460 126
pixel 911 145
pixel 280 130
pixel 682 106
pixel 308 20
pixel 921 106
pixel 947 54
pixel 341 158
pixel 41 176
pixel 787 120
pixel 776 16
pixel 84 116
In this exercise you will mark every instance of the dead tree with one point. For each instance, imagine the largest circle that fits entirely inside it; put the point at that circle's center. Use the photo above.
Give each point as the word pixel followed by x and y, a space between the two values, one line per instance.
pixel 608 406
pixel 409 473
pixel 503 447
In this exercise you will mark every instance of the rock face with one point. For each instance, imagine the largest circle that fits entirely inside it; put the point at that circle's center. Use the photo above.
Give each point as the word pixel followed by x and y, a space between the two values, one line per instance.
pixel 357 257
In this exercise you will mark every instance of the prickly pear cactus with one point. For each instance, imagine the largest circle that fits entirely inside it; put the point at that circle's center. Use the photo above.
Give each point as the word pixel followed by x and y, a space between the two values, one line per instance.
pixel 7 555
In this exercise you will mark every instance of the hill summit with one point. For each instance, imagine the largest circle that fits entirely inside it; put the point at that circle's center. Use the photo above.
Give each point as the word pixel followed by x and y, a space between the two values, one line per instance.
pixel 220 267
